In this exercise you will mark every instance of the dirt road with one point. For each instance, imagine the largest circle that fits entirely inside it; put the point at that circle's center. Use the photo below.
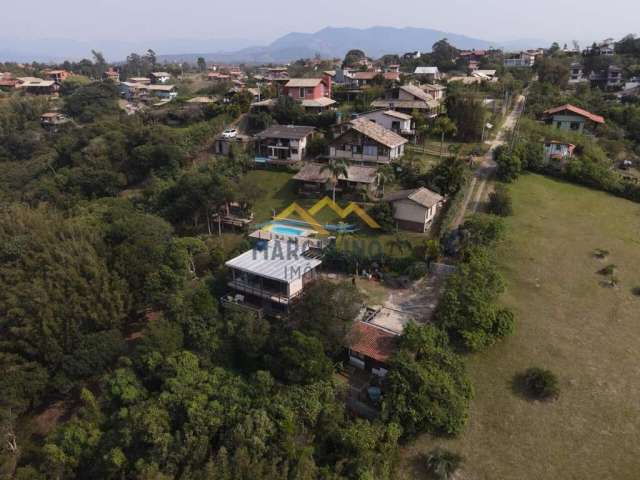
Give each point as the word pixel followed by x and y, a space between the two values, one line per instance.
pixel 481 179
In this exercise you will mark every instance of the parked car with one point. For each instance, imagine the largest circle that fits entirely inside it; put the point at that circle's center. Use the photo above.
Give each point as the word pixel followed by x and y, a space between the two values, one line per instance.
pixel 230 133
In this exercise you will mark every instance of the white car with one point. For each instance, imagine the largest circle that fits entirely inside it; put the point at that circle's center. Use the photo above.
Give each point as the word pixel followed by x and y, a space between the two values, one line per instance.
pixel 230 133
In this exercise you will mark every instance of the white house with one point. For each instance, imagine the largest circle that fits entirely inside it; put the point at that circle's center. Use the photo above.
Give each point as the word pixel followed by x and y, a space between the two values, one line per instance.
pixel 282 144
pixel 165 92
pixel 523 59
pixel 160 77
pixel 432 73
pixel 415 209
pixel 275 271
pixel 391 120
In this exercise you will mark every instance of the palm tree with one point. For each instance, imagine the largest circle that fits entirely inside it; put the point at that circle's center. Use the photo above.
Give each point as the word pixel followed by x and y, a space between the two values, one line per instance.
pixel 443 463
pixel 384 174
pixel 445 128
pixel 423 130
pixel 336 168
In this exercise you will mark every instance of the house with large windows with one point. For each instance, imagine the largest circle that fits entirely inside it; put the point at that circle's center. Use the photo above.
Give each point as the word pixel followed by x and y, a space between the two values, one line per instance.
pixel 282 144
pixel 273 274
pixel 393 120
pixel 367 142
pixel 408 98
pixel 314 94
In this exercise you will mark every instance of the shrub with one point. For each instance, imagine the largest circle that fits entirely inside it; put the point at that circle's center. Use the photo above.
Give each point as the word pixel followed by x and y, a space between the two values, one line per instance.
pixel 468 308
pixel 509 164
pixel 418 270
pixel 540 383
pixel 600 253
pixel 427 387
pixel 482 230
pixel 500 202
pixel 443 464
pixel 383 214
pixel 608 270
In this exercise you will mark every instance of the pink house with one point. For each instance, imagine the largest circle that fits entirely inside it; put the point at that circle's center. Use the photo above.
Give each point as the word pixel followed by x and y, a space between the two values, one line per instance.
pixel 312 93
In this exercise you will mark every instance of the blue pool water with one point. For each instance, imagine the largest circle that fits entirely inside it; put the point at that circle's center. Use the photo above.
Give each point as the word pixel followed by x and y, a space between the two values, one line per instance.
pixel 284 230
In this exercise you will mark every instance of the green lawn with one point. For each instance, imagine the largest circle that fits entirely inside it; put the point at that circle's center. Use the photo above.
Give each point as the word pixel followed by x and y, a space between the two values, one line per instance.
pixel 587 333
pixel 279 192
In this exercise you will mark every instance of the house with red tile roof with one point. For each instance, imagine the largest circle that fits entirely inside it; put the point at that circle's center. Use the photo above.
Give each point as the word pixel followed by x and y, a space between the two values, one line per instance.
pixel 370 347
pixel 570 117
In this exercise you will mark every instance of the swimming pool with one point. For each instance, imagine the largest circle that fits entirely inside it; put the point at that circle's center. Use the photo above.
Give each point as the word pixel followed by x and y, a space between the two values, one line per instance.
pixel 285 230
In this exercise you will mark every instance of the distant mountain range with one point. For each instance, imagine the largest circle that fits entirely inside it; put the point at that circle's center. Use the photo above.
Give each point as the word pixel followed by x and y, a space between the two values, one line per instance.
pixel 329 42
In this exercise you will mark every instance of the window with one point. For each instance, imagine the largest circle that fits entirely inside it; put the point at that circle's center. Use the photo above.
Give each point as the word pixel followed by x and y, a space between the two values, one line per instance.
pixel 301 93
pixel 294 151
pixel 575 126
pixel 371 150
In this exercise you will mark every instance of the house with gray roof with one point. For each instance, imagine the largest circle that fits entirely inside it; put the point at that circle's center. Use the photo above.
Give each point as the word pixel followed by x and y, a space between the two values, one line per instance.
pixel 273 274
pixel 282 144
pixel 415 209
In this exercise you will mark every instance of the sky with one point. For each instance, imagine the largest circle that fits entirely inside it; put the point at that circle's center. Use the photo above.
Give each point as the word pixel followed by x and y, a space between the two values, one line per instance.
pixel 261 21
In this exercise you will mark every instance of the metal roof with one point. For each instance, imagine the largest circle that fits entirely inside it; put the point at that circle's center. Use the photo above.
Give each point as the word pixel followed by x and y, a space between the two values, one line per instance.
pixel 281 261
pixel 286 131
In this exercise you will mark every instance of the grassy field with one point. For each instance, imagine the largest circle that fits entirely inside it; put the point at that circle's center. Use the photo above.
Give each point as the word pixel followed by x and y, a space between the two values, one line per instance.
pixel 587 333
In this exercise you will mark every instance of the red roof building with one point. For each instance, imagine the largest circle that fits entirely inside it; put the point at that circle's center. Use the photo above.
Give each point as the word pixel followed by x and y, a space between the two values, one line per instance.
pixel 570 117
pixel 370 347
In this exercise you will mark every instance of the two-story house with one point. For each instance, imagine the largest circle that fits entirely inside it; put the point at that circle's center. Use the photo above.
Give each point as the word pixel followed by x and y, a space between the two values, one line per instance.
pixel 523 59
pixel 273 274
pixel 415 209
pixel 576 74
pixel 391 120
pixel 362 79
pixel 164 92
pixel 406 99
pixel 364 141
pixel 160 78
pixel 282 144
pixel 609 78
pixel 431 74
pixel 314 94
pixel 58 76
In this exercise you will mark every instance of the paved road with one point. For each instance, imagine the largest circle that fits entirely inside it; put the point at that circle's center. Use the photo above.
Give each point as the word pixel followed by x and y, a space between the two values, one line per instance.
pixel 480 181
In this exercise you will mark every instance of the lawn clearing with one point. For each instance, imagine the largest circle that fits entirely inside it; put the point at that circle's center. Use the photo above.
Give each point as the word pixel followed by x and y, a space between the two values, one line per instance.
pixel 586 333
pixel 278 192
